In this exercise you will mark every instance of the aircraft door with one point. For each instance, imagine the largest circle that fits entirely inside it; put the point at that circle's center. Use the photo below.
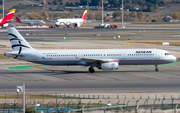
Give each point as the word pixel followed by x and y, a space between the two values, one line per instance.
pixel 157 55
pixel 123 56
pixel 81 55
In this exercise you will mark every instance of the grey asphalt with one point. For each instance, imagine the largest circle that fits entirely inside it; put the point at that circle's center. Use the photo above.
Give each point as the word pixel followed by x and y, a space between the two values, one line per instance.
pixel 95 31
pixel 137 80
pixel 87 30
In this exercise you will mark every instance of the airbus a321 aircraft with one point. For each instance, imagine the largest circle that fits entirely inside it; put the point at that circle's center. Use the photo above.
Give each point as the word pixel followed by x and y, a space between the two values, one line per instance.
pixel 8 18
pixel 76 22
pixel 106 59
pixel 29 22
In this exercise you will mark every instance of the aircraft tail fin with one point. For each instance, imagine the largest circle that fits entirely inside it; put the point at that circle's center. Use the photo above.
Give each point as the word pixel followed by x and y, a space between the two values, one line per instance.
pixel 17 41
pixel 9 17
pixel 84 15
pixel 18 19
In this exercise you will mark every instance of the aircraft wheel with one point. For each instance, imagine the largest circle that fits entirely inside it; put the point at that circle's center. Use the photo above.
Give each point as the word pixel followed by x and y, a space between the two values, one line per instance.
pixel 91 70
pixel 156 69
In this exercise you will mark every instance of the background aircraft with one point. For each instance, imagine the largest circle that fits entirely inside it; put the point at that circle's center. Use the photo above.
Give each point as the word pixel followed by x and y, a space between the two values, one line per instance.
pixel 8 18
pixel 106 59
pixel 30 22
pixel 76 22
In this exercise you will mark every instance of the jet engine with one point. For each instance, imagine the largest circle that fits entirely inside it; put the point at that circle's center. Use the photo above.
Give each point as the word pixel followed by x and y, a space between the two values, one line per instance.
pixel 30 24
pixel 77 24
pixel 109 66
pixel 68 23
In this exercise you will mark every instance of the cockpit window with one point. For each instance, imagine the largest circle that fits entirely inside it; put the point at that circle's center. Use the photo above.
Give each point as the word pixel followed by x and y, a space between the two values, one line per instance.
pixel 167 54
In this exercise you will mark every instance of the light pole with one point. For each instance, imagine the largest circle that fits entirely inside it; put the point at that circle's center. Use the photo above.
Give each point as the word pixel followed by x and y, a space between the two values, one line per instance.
pixel 87 6
pixel 22 89
pixel 102 14
pixel 108 104
pixel 117 106
pixel 3 8
pixel 98 104
pixel 88 105
pixel 122 14
pixel 5 96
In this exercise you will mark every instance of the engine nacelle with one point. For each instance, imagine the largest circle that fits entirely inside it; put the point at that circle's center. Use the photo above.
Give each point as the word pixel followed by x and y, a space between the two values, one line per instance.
pixel 77 24
pixel 58 23
pixel 30 24
pixel 68 23
pixel 109 66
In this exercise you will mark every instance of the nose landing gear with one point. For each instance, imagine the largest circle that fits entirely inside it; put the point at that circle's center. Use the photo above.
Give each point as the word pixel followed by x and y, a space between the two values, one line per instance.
pixel 156 68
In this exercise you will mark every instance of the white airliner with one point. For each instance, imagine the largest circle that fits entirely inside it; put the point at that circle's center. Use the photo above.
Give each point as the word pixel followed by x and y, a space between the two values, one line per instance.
pixel 29 22
pixel 106 59
pixel 76 22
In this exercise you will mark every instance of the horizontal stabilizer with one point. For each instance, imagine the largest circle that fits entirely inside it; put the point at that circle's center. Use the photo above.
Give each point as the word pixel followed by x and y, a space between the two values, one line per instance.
pixel 14 54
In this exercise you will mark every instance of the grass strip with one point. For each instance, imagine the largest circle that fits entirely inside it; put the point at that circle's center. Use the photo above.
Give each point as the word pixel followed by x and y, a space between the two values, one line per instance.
pixel 2 57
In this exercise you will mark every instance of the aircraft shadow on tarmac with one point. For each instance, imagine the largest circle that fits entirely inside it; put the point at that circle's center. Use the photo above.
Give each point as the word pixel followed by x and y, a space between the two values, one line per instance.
pixel 97 72
pixel 87 72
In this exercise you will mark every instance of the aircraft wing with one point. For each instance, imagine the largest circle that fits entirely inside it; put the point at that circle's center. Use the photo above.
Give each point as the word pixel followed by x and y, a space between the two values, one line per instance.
pixel 93 60
pixel 51 20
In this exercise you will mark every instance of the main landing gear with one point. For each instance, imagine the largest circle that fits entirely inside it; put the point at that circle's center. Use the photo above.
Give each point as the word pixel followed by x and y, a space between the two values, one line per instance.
pixel 91 70
pixel 156 68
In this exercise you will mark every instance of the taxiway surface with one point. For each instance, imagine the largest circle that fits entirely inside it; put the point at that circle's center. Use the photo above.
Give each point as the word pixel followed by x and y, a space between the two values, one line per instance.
pixel 53 79
pixel 77 79
pixel 88 30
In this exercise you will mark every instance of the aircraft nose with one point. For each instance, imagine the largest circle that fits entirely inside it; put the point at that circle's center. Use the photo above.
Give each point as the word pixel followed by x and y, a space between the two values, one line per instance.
pixel 56 23
pixel 173 58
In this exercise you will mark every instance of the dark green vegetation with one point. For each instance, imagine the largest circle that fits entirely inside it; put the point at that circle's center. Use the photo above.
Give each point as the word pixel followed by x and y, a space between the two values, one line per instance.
pixel 139 10
pixel 0 2
pixel 145 5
